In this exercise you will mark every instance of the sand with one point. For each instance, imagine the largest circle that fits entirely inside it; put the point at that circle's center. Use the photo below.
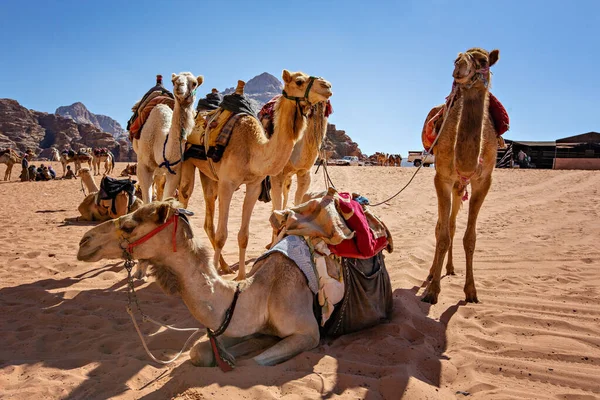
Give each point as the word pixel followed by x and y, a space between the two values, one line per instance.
pixel 534 335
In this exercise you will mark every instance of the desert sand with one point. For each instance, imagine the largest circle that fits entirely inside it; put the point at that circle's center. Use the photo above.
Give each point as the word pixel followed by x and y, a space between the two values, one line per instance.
pixel 534 335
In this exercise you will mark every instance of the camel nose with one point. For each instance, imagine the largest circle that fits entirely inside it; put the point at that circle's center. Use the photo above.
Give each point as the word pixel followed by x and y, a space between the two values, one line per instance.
pixel 84 240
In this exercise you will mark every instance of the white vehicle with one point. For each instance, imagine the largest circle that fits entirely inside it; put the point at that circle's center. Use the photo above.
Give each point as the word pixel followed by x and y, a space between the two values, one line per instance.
pixel 418 158
pixel 348 160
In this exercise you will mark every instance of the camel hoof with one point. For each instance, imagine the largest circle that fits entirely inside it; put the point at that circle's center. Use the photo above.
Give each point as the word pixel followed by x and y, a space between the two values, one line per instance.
pixel 430 298
pixel 450 272
pixel 201 355
pixel 471 298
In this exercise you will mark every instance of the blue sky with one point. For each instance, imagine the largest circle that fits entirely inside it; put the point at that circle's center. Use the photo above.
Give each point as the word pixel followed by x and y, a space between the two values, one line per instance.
pixel 389 62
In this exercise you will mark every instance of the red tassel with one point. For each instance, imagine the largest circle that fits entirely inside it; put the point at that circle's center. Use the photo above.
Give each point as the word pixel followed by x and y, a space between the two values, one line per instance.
pixel 225 367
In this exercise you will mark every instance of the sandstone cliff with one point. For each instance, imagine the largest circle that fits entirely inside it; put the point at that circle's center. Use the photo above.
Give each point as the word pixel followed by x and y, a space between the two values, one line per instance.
pixel 80 114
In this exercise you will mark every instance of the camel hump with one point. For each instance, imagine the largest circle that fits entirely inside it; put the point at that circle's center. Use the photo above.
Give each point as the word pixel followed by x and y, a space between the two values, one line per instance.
pixel 240 88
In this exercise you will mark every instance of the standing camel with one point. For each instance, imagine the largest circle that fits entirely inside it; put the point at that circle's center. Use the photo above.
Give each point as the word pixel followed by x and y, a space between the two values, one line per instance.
pixel 10 158
pixel 107 158
pixel 77 159
pixel 162 138
pixel 465 154
pixel 303 157
pixel 249 158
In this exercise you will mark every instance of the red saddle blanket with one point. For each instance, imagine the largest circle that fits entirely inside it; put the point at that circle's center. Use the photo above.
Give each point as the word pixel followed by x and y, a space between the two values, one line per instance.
pixel 433 124
pixel 143 113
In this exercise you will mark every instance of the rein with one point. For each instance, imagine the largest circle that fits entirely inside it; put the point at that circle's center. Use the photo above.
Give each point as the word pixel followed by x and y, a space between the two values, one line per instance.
pixel 166 163
pixel 311 80
pixel 131 296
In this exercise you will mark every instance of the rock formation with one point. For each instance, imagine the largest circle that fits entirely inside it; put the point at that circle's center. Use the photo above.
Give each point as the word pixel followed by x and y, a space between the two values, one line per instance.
pixel 24 130
pixel 80 114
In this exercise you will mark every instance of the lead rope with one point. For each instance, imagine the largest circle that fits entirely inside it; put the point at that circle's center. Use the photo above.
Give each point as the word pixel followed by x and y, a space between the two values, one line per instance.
pixel 131 295
pixel 426 153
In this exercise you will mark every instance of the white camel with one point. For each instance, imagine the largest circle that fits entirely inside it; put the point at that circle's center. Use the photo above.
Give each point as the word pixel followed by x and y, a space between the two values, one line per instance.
pixel 163 136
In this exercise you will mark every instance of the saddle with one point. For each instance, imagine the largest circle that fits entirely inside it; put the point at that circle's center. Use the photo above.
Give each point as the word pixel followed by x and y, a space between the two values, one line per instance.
pixel 111 187
pixel 4 151
pixel 103 151
pixel 141 111
pixel 435 120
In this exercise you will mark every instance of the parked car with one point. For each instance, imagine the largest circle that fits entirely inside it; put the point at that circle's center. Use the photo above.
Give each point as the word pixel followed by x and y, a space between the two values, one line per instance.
pixel 418 158
pixel 348 160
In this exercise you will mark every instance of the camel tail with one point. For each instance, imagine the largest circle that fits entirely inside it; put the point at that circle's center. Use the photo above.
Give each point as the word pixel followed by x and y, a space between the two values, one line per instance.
pixel 112 159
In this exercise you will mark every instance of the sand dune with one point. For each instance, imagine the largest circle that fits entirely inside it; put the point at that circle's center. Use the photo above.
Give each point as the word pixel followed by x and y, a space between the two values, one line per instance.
pixel 535 335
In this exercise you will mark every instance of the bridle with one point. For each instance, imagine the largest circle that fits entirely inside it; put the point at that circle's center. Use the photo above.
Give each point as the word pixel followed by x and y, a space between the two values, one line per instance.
pixel 128 246
pixel 311 80
pixel 481 74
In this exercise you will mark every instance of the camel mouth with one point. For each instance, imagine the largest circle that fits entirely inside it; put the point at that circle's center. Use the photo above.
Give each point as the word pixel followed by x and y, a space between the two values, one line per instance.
pixel 87 255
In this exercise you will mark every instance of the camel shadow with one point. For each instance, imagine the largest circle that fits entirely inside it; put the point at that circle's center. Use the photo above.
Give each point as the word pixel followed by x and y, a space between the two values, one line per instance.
pixel 68 327
pixel 381 359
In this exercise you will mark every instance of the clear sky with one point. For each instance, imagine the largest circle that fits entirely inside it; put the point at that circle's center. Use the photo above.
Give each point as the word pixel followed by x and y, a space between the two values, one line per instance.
pixel 389 62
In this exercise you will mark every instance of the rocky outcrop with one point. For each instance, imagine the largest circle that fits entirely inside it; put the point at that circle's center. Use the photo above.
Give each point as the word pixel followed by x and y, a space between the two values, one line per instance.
pixel 37 131
pixel 338 144
pixel 80 114
pixel 261 88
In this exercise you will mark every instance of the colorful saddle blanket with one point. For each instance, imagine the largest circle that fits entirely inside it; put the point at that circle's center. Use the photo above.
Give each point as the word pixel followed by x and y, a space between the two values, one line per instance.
pixel 143 112
pixel 436 117
pixel 100 151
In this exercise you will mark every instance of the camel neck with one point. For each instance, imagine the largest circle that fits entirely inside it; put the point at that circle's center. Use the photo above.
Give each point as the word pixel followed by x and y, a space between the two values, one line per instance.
pixel 182 123
pixel 91 184
pixel 470 128
pixel 203 291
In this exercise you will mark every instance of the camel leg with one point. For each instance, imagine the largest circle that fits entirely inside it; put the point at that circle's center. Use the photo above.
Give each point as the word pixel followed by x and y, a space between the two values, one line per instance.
pixel 171 184
pixel 303 182
pixel 456 203
pixel 444 191
pixel 288 348
pixel 209 190
pixel 287 184
pixel 145 177
pixel 201 355
pixel 225 193
pixel 186 184
pixel 479 190
pixel 64 165
pixel 276 199
pixel 252 195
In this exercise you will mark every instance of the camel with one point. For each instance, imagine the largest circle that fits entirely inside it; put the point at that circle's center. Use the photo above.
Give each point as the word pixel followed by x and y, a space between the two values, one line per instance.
pixel 274 300
pixel 249 158
pixel 77 159
pixel 303 157
pixel 381 158
pixel 394 160
pixel 164 134
pixel 10 158
pixel 109 162
pixel 129 170
pixel 91 211
pixel 465 154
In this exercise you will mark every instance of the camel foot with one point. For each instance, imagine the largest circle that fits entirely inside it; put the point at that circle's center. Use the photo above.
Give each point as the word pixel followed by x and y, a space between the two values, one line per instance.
pixel 240 277
pixel 430 298
pixel 450 271
pixel 201 355
pixel 471 296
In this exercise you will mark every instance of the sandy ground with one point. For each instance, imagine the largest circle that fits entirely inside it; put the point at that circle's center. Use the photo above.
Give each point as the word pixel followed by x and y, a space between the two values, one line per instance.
pixel 535 335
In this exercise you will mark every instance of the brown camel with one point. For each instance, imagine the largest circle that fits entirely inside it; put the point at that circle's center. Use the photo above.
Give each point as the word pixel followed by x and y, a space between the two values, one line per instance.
pixel 275 300
pixel 465 154
pixel 249 158
pixel 77 159
pixel 10 158
pixel 382 158
pixel 91 211
pixel 303 157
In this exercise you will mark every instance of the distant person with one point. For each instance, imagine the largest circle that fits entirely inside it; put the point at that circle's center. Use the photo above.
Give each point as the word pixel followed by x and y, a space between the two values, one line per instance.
pixel 25 166
pixel 52 172
pixel 69 174
pixel 523 159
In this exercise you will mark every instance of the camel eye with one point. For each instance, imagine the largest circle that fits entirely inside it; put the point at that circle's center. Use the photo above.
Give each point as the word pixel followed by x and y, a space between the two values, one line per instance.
pixel 299 82
pixel 128 228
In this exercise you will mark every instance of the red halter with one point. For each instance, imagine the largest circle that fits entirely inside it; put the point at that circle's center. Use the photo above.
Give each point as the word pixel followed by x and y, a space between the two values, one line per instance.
pixel 173 220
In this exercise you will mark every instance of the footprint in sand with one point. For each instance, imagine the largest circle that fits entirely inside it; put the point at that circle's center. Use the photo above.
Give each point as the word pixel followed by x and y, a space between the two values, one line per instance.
pixel 33 254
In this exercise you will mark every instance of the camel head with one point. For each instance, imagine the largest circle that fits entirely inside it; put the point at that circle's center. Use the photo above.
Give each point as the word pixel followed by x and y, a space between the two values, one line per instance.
pixel 84 172
pixel 473 66
pixel 304 87
pixel 184 87
pixel 109 239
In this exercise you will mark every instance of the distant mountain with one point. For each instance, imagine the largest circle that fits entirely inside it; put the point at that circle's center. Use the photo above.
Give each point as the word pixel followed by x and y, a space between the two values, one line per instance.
pixel 261 88
pixel 38 131
pixel 79 113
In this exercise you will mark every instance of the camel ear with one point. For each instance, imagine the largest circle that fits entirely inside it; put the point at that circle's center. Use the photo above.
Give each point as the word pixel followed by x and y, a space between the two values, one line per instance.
pixel 200 80
pixel 494 56
pixel 161 213
pixel 173 75
pixel 287 77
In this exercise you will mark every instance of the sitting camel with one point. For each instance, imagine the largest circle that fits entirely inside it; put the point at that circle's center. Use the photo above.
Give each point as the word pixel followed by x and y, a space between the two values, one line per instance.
pixel 93 210
pixel 129 170
pixel 465 154
pixel 274 300
pixel 163 136
pixel 249 158
pixel 10 158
